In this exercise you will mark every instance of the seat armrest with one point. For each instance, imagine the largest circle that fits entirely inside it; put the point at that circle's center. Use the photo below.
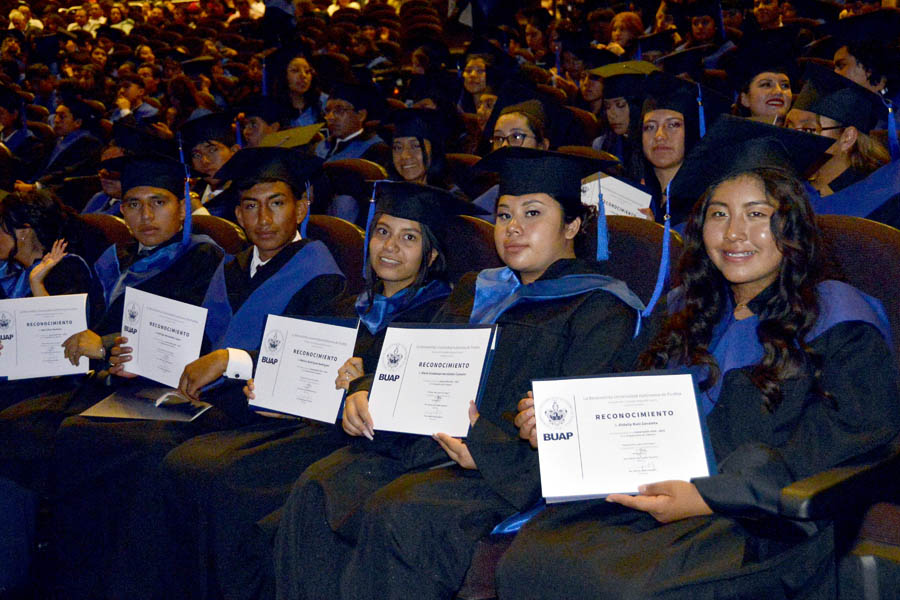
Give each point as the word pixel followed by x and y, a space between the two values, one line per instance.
pixel 840 489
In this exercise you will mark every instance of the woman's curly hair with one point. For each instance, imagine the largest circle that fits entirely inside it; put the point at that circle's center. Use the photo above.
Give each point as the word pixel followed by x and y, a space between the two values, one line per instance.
pixel 787 317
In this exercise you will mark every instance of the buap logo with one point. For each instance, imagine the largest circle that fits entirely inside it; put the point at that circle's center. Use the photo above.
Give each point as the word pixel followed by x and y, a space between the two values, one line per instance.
pixel 556 412
pixel 395 357
pixel 133 312
pixel 6 321
pixel 274 342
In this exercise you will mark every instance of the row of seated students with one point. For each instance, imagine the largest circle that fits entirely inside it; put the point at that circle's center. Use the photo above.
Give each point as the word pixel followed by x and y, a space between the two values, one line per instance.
pixel 797 376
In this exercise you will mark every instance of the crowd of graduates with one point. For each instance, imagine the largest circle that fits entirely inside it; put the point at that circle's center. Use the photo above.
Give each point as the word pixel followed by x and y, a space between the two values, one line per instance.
pixel 742 122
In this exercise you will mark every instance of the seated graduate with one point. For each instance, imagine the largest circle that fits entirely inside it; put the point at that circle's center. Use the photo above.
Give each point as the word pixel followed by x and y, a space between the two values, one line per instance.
pixel 762 70
pixel 392 526
pixel 209 142
pixel 839 109
pixel 623 93
pixel 348 108
pixel 796 376
pixel 262 115
pixel 222 483
pixel 417 147
pixel 26 147
pixel 281 273
pixel 164 259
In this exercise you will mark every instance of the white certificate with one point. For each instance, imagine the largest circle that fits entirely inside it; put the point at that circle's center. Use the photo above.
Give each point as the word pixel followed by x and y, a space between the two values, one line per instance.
pixel 619 198
pixel 426 378
pixel 603 435
pixel 298 363
pixel 33 330
pixel 165 334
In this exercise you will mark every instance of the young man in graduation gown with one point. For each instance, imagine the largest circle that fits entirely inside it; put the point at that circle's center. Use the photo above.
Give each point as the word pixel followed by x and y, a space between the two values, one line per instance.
pixel 107 510
pixel 22 143
pixel 163 259
pixel 209 142
pixel 348 108
pixel 374 521
pixel 858 178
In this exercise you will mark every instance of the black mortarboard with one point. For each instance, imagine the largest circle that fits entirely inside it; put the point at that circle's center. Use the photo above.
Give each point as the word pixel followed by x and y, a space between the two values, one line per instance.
pixel 530 171
pixel 11 100
pixel 688 61
pixel 111 33
pixel 269 109
pixel 212 127
pixel 593 58
pixel 423 203
pixel 201 65
pixel 700 8
pixel 81 110
pixel 665 91
pixel 769 51
pixel 820 10
pixel 135 140
pixel 149 170
pixel 252 165
pixel 834 96
pixel 359 96
pixel 735 145
pixel 880 25
pixel 421 123
pixel 660 43
pixel 625 79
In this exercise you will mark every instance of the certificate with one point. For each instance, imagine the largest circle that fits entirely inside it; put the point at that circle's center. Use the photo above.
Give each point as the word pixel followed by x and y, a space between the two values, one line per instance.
pixel 147 403
pixel 33 330
pixel 427 376
pixel 619 198
pixel 297 366
pixel 165 335
pixel 603 435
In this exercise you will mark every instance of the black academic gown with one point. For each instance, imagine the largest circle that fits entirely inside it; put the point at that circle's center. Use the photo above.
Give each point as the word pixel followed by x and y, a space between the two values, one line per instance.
pixel 81 158
pixel 889 211
pixel 594 549
pixel 107 471
pixel 29 427
pixel 219 485
pixel 392 528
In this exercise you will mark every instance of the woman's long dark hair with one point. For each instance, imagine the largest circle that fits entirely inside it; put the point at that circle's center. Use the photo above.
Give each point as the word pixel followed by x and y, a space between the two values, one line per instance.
pixel 788 316
pixel 435 165
pixel 436 270
pixel 43 212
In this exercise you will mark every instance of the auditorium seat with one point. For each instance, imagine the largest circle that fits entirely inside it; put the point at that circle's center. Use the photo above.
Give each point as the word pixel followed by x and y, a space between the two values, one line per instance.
pixel 36 112
pixel 76 191
pixel 587 120
pixel 225 233
pixel 553 92
pixel 587 151
pixel 112 228
pixel 473 247
pixel 345 240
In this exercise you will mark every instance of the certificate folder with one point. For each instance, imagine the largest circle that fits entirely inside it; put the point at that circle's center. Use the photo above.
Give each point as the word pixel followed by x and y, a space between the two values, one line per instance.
pixel 612 433
pixel 428 374
pixel 298 364
pixel 147 403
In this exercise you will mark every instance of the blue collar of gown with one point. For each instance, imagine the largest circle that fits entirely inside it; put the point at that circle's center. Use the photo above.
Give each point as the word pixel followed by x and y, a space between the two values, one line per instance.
pixel 380 312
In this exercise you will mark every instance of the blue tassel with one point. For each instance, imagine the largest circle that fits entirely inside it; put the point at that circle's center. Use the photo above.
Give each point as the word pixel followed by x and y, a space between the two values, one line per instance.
pixel 514 523
pixel 308 209
pixel 700 111
pixel 186 230
pixel 663 272
pixel 265 86
pixel 238 135
pixel 369 218
pixel 602 233
pixel 893 143
pixel 558 71
pixel 639 54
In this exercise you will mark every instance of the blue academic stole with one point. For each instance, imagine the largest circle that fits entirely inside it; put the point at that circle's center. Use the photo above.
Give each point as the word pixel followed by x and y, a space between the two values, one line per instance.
pixel 378 314
pixel 863 197
pixel 244 328
pixel 114 282
pixel 498 290
pixel 14 281
pixel 64 144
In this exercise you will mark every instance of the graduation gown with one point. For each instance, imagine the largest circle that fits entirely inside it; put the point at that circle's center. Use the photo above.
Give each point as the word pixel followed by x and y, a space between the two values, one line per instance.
pixel 107 471
pixel 218 485
pixel 76 154
pixel 599 550
pixel 29 426
pixel 403 529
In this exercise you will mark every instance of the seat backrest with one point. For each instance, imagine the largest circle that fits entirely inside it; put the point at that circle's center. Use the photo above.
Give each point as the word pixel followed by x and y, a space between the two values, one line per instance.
pixel 554 92
pixel 364 168
pixel 111 227
pixel 587 151
pixel 345 241
pixel 225 233
pixel 36 112
pixel 76 191
pixel 865 254
pixel 470 246
pixel 635 248
pixel 587 120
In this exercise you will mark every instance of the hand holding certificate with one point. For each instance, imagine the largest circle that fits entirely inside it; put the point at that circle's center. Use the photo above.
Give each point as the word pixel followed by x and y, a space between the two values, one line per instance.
pixel 298 362
pixel 165 335
pixel 607 435
pixel 427 377
pixel 33 330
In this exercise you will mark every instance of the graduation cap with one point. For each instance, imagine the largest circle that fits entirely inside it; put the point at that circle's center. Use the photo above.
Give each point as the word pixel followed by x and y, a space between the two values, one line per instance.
pixel 734 145
pixel 358 96
pixel 270 110
pixel 881 26
pixel 110 33
pixel 655 43
pixel 688 61
pixel 420 123
pixel 201 65
pixel 531 171
pixel 704 8
pixel 425 204
pixel 215 127
pixel 250 166
pixel 11 100
pixel 291 138
pixel 624 79
pixel 699 105
pixel 834 96
pixel 150 170
pixel 136 140
pixel 770 51
pixel 81 110
pixel 819 10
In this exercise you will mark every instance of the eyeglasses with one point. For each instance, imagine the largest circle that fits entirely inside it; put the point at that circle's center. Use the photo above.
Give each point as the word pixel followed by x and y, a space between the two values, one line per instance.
pixel 514 139
pixel 339 111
